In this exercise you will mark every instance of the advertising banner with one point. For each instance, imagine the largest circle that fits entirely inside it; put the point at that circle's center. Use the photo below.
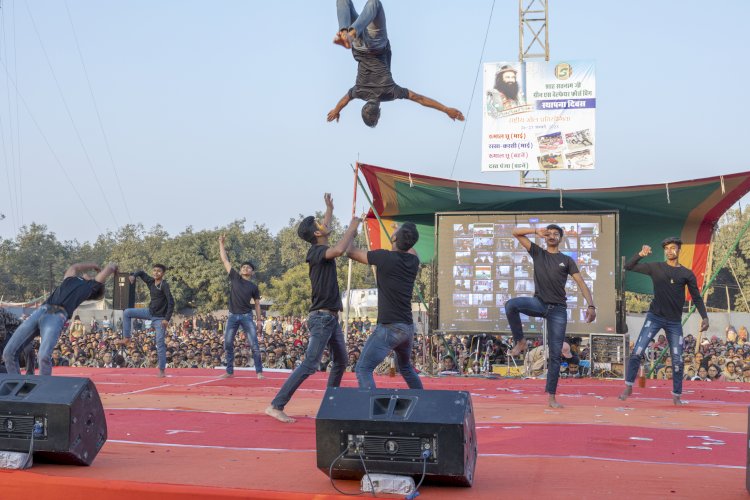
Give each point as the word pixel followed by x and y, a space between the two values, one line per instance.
pixel 538 115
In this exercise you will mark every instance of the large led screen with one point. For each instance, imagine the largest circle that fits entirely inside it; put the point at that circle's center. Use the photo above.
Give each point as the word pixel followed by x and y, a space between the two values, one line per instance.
pixel 481 265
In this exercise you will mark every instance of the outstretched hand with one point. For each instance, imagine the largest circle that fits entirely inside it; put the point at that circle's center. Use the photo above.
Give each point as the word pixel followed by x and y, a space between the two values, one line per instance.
pixel 333 115
pixel 645 251
pixel 454 114
pixel 704 325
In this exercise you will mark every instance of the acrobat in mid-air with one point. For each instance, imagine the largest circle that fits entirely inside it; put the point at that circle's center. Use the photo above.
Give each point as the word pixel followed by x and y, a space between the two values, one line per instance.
pixel 365 34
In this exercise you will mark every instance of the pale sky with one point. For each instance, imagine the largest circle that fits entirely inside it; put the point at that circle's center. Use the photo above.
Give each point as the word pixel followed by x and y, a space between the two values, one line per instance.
pixel 216 110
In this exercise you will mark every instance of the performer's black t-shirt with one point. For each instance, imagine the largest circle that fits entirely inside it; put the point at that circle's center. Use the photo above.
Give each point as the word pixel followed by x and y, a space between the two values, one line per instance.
pixel 240 294
pixel 323 279
pixel 162 302
pixel 669 287
pixel 551 271
pixel 374 78
pixel 72 292
pixel 396 272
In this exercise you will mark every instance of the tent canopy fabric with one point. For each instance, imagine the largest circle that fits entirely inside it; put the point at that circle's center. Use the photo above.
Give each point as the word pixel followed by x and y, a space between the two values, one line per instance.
pixel 647 213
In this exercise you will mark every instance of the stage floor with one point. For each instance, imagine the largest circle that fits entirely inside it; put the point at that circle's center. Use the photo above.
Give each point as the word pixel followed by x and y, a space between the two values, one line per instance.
pixel 194 435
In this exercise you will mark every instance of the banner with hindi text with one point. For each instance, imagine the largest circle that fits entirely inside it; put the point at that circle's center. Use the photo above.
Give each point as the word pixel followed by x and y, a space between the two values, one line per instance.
pixel 538 115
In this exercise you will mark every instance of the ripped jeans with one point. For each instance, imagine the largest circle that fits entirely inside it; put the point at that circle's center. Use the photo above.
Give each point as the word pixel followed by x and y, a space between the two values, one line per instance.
pixel 651 327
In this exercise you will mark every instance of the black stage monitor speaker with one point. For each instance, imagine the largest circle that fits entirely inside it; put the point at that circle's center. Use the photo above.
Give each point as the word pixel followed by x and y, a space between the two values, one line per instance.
pixel 65 415
pixel 392 428
pixel 123 295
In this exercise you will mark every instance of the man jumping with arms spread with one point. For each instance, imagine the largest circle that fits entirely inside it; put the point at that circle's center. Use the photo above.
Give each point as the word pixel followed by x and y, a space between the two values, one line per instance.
pixel 670 279
pixel 551 271
pixel 365 34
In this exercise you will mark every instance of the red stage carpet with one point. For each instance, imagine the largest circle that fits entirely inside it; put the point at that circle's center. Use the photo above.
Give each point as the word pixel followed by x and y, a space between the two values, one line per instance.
pixel 193 435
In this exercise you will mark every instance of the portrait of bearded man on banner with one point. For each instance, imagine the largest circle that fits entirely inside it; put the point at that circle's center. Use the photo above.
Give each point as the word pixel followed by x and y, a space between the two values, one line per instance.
pixel 506 93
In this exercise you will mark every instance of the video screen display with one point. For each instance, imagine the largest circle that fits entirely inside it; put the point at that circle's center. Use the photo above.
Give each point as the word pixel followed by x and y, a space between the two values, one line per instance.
pixel 481 265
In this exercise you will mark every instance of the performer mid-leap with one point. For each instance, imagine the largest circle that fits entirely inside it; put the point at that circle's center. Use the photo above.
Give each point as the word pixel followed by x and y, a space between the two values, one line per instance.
pixel 365 34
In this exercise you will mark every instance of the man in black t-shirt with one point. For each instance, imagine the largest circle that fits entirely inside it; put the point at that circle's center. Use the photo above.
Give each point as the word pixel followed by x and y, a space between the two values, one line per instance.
pixel 323 321
pixel 50 318
pixel 241 293
pixel 366 35
pixel 159 311
pixel 396 272
pixel 551 271
pixel 670 279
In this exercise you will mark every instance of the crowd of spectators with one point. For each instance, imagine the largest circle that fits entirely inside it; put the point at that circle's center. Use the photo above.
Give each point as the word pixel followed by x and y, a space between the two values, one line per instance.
pixel 198 342
pixel 720 359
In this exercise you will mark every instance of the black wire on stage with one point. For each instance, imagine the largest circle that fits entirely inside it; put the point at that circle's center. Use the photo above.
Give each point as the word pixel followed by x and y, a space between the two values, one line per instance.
pixel 473 90
pixel 330 475
pixel 425 456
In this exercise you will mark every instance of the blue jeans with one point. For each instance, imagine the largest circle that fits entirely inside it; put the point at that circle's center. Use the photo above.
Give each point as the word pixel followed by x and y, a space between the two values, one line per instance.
pixel 246 322
pixel 156 324
pixel 397 337
pixel 324 331
pixel 557 322
pixel 651 327
pixel 372 35
pixel 46 320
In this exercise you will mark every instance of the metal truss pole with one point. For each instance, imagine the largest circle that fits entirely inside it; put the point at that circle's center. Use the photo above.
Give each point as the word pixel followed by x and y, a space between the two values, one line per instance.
pixel 533 43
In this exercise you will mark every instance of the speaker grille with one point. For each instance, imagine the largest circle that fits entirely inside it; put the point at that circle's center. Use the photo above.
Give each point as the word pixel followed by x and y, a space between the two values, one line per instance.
pixel 16 426
pixel 395 448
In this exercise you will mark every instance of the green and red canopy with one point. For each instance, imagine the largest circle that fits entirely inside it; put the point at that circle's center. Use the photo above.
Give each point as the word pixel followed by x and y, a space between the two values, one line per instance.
pixel 648 213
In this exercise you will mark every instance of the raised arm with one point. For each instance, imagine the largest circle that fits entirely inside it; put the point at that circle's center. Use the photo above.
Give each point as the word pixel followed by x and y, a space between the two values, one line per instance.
pixel 334 113
pixel 105 273
pixel 521 234
pixel 81 267
pixel 634 263
pixel 329 210
pixel 223 254
pixel 357 254
pixel 141 274
pixel 346 240
pixel 452 113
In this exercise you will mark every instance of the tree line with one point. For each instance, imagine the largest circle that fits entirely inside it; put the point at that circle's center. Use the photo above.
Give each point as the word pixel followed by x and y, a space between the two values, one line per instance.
pixel 33 263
